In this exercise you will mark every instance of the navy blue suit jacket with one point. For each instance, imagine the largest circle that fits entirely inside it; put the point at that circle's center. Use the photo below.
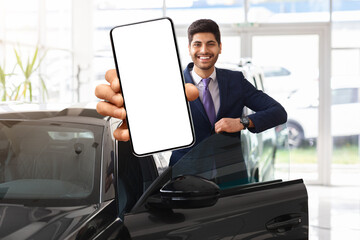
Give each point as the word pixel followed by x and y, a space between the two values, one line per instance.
pixel 235 93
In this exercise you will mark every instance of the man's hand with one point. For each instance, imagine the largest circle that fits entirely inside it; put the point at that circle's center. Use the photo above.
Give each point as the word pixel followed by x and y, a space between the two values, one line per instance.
pixel 229 125
pixel 113 104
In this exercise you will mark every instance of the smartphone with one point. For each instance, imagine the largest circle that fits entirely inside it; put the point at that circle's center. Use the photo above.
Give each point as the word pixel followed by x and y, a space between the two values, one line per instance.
pixel 152 83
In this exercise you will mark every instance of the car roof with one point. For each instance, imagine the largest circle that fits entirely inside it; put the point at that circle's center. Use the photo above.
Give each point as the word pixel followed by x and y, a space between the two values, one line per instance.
pixel 75 113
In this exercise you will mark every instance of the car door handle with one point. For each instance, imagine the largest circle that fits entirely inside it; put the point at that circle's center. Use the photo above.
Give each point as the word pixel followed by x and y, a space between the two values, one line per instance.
pixel 284 223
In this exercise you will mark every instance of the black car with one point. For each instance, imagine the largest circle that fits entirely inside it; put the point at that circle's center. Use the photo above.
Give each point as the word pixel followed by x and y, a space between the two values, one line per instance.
pixel 63 176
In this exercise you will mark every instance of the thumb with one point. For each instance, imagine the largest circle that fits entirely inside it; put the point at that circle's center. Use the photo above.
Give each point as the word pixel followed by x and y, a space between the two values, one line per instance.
pixel 191 91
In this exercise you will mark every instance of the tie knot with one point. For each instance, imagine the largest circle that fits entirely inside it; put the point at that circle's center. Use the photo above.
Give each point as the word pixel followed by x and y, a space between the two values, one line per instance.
pixel 206 82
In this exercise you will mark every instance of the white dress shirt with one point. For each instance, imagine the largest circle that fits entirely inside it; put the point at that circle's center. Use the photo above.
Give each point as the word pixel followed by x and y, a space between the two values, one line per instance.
pixel 213 88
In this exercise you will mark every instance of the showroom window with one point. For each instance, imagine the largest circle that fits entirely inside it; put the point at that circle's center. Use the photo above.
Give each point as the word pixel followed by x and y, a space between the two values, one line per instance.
pixel 26 25
pixel 288 11
pixel 345 82
pixel 186 11
pixel 108 14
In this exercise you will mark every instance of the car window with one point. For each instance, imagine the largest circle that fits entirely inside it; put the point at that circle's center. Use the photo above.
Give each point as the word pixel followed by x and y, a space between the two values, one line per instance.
pixel 220 159
pixel 69 135
pixel 304 97
pixel 48 161
pixel 274 71
pixel 345 96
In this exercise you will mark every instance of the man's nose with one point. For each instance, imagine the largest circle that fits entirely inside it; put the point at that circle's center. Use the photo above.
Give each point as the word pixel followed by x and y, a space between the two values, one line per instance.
pixel 203 48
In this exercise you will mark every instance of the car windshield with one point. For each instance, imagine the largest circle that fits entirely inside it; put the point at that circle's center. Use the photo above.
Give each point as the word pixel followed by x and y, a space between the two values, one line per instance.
pixel 41 160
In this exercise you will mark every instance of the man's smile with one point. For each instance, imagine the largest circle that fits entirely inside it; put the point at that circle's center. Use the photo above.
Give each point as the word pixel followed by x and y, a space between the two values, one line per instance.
pixel 204 58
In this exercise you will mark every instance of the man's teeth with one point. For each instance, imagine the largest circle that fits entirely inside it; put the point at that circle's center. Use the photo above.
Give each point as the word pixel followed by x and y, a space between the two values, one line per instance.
pixel 204 57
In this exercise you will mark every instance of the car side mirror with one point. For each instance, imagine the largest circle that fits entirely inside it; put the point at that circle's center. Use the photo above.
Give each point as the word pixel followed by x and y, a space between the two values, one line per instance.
pixel 189 191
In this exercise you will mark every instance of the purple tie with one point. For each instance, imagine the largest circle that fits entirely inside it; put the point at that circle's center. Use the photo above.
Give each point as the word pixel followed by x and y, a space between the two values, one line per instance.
pixel 208 102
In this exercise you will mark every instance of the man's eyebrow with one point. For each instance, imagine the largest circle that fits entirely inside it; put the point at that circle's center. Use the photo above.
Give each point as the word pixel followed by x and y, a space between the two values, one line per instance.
pixel 210 41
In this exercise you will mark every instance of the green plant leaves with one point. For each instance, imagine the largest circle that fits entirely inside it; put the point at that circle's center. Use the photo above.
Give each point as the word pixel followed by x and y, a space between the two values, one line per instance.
pixel 24 90
pixel 3 77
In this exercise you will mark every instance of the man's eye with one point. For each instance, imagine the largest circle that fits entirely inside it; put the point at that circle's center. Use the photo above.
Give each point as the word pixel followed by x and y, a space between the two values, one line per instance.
pixel 197 45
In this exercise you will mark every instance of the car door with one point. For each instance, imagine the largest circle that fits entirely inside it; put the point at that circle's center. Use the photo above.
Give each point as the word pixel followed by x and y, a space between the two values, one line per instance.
pixel 262 146
pixel 209 195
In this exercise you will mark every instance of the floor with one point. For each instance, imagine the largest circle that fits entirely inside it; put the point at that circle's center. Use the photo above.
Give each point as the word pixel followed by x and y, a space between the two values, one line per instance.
pixel 334 212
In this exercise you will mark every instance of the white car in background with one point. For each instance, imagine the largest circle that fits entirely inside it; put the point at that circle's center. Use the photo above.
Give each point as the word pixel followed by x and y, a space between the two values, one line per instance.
pixel 279 82
pixel 302 109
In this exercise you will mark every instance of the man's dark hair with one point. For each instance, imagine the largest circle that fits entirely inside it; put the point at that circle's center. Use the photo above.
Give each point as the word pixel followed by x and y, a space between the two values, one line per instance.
pixel 204 26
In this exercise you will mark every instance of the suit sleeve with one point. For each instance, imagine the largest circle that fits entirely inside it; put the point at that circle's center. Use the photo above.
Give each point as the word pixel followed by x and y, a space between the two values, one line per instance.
pixel 268 112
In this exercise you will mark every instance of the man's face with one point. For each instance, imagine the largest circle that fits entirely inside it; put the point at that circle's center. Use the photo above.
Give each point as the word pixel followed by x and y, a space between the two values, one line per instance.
pixel 204 50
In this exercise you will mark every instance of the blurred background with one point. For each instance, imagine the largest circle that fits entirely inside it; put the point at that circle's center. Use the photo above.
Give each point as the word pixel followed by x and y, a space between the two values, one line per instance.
pixel 309 51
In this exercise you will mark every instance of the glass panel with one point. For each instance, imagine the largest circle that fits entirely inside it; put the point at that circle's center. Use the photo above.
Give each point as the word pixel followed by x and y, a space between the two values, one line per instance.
pixel 345 81
pixel 20 26
pixel 47 24
pixel 293 81
pixel 345 105
pixel 346 154
pixel 21 21
pixel 346 10
pixel 58 75
pixel 231 49
pixel 345 63
pixel 58 24
pixel 288 11
pixel 185 12
pixel 345 34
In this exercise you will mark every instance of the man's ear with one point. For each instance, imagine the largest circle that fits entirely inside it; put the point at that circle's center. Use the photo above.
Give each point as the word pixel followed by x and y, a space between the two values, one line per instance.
pixel 220 47
pixel 189 49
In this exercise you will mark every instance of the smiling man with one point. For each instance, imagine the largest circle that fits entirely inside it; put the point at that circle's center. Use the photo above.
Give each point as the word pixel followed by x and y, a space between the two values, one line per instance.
pixel 223 93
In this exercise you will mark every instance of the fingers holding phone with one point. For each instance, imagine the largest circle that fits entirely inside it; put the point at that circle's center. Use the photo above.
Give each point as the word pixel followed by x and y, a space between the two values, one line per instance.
pixel 122 133
pixel 111 94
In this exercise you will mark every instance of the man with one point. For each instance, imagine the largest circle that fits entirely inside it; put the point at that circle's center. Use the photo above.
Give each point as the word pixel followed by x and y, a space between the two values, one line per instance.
pixel 222 93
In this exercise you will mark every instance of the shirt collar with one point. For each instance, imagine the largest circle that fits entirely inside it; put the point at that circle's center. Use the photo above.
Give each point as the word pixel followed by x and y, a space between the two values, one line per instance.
pixel 197 79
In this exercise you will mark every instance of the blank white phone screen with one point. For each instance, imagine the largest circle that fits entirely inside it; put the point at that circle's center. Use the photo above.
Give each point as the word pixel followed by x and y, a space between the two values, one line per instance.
pixel 152 84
